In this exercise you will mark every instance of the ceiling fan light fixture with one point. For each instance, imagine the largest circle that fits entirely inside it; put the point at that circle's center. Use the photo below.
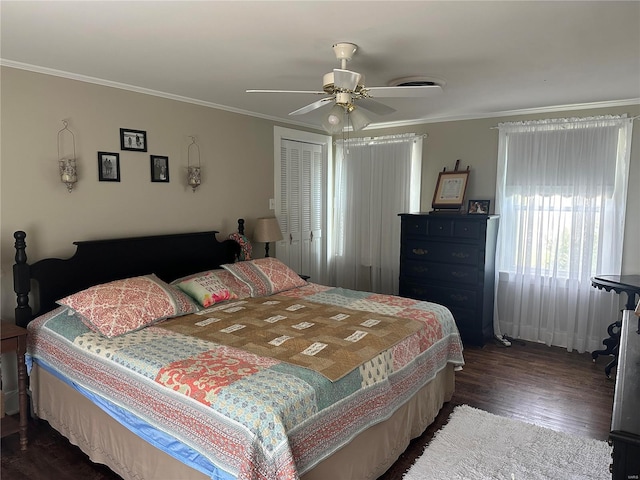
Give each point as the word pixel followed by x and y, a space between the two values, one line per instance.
pixel 358 119
pixel 334 121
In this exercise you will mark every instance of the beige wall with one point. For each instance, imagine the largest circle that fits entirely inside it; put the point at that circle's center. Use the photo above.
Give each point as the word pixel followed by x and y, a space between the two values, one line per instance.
pixel 236 154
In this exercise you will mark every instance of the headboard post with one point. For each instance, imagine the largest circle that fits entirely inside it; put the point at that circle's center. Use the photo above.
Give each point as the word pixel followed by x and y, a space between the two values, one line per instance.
pixel 21 281
pixel 241 226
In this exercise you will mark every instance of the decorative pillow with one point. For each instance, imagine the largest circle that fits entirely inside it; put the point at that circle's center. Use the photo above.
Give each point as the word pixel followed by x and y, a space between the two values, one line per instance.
pixel 245 246
pixel 265 276
pixel 206 289
pixel 122 306
pixel 236 287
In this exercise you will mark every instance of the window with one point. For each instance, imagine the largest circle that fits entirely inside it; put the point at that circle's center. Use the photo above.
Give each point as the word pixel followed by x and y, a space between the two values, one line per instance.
pixel 375 179
pixel 561 195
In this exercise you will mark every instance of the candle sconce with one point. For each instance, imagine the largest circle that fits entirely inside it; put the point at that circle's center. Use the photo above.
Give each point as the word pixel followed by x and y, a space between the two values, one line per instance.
pixel 194 170
pixel 67 165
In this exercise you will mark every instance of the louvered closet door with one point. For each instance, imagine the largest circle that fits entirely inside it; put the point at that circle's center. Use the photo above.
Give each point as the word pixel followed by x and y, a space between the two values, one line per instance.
pixel 301 207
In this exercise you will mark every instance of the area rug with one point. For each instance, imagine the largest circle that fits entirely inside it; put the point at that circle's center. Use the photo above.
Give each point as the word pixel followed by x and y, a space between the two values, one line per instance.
pixel 476 445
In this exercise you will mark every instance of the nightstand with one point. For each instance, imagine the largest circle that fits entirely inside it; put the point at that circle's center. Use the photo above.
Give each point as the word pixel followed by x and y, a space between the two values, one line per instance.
pixel 14 339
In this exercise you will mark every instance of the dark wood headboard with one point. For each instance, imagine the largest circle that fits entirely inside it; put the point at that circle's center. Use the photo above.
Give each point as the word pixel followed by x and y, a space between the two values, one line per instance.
pixel 99 261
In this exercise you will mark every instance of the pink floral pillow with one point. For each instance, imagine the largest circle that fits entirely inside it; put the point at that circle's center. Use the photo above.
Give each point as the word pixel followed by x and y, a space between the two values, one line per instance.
pixel 122 306
pixel 265 276
pixel 206 289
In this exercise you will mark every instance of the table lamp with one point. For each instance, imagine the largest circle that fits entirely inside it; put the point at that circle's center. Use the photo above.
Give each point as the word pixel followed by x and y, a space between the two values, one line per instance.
pixel 267 230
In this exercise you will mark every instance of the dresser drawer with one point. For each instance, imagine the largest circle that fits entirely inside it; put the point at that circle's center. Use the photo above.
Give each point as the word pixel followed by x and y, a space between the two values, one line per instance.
pixel 443 272
pixel 440 227
pixel 468 230
pixel 417 249
pixel 449 297
pixel 456 228
pixel 414 226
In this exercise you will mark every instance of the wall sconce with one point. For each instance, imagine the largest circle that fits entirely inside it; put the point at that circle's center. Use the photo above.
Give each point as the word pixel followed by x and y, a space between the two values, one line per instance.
pixel 67 166
pixel 267 230
pixel 193 169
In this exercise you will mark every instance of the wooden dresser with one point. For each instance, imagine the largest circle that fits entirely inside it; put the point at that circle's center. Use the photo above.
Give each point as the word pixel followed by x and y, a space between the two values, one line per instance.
pixel 449 259
pixel 625 420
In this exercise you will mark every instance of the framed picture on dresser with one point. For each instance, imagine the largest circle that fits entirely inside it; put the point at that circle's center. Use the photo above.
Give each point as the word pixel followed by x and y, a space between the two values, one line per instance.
pixel 478 207
pixel 450 189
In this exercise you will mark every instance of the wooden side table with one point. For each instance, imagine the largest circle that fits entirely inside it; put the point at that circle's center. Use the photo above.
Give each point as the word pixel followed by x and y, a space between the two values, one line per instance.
pixel 14 339
pixel 629 284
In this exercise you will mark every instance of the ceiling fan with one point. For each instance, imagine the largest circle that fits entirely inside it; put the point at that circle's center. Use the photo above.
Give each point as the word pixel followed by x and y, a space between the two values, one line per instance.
pixel 345 88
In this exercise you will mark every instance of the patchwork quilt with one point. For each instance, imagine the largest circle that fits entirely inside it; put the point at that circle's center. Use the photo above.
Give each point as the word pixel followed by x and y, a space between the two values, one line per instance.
pixel 252 416
pixel 332 340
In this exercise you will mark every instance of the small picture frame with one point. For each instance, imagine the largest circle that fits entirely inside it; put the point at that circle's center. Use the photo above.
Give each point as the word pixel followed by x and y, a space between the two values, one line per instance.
pixel 159 168
pixel 450 189
pixel 134 140
pixel 478 207
pixel 108 167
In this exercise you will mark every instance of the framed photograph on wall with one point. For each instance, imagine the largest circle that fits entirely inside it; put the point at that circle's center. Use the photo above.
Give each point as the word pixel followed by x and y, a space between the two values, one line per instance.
pixel 478 207
pixel 108 167
pixel 159 168
pixel 450 189
pixel 135 140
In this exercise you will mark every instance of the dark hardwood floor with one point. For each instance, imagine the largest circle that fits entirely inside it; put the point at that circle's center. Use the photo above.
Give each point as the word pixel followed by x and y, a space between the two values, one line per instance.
pixel 547 386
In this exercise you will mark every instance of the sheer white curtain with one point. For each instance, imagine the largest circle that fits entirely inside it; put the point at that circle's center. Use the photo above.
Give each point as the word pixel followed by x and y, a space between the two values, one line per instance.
pixel 561 195
pixel 375 179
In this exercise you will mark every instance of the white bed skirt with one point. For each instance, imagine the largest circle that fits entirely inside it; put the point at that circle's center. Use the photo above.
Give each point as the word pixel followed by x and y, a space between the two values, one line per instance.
pixel 105 441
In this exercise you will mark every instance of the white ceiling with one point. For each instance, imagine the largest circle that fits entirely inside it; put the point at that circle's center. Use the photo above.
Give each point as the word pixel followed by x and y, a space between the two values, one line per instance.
pixel 494 58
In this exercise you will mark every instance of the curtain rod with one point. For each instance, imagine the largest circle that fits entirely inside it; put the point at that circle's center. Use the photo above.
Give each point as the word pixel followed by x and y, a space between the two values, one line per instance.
pixel 382 139
pixel 576 120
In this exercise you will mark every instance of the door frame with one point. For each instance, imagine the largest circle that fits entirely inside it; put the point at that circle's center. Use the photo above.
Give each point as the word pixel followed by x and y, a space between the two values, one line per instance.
pixel 326 141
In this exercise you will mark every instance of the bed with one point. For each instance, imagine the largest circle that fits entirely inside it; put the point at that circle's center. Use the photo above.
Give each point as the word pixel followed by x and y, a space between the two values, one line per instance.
pixel 194 392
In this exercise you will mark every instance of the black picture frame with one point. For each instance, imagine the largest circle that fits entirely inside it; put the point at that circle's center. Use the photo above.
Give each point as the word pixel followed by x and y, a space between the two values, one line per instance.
pixel 159 168
pixel 108 167
pixel 133 140
pixel 478 207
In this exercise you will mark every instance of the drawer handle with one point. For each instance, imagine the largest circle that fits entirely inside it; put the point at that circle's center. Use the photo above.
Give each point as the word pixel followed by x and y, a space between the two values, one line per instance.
pixel 459 274
pixel 459 297
pixel 459 255
pixel 420 251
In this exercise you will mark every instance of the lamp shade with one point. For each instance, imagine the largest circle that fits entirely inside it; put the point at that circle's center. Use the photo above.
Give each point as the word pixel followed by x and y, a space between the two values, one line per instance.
pixel 267 230
pixel 358 119
pixel 334 121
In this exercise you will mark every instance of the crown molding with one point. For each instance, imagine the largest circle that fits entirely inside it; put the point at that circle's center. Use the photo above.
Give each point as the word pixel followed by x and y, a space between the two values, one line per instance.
pixel 373 126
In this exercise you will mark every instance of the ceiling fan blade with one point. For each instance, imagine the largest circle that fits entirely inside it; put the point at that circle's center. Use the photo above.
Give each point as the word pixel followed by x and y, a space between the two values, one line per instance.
pixel 312 106
pixel 315 92
pixel 399 92
pixel 374 106
pixel 346 79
